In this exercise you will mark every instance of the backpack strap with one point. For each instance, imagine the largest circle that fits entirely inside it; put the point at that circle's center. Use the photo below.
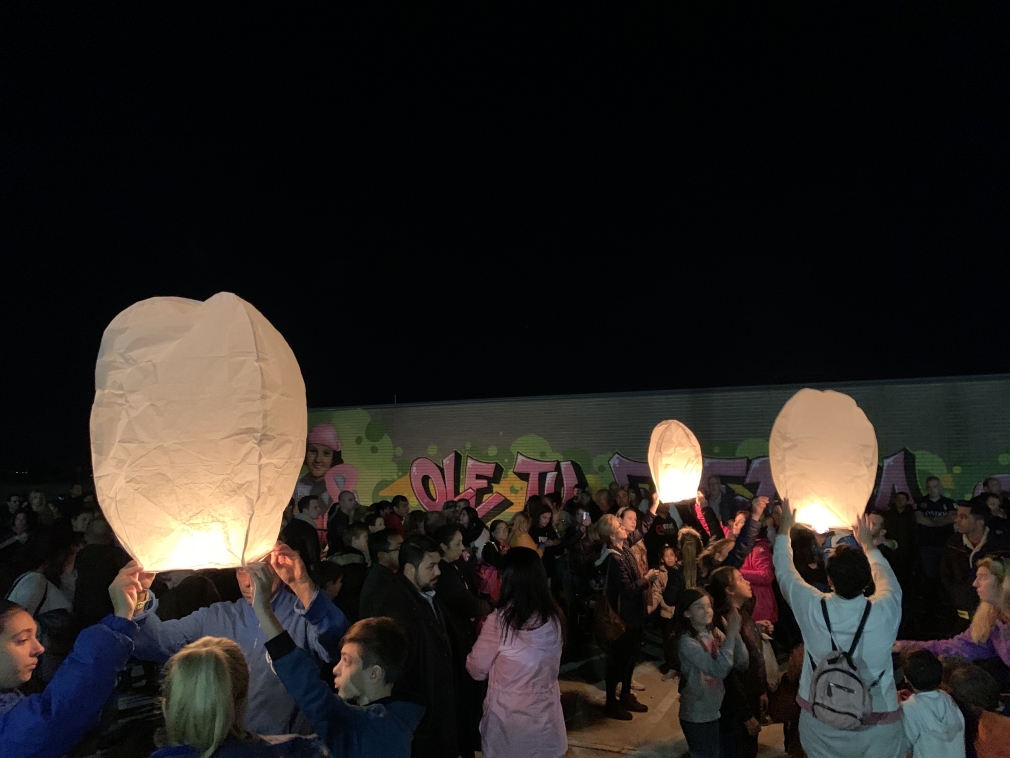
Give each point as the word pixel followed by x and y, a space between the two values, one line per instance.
pixel 45 594
pixel 859 631
pixel 827 621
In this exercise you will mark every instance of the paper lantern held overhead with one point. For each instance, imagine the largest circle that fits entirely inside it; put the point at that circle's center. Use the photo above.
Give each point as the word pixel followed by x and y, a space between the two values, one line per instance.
pixel 823 455
pixel 675 462
pixel 197 431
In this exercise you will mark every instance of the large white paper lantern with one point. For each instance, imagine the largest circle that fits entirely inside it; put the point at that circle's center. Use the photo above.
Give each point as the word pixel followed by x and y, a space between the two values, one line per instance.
pixel 823 454
pixel 197 431
pixel 675 462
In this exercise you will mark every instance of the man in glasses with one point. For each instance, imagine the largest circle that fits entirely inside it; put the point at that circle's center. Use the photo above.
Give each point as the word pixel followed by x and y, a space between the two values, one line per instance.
pixel 384 547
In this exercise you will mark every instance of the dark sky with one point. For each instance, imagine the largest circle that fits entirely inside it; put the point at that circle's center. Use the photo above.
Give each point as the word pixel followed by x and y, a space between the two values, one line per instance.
pixel 440 203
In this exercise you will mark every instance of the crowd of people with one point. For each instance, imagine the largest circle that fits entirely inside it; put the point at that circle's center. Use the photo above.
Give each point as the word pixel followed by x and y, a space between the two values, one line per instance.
pixel 390 631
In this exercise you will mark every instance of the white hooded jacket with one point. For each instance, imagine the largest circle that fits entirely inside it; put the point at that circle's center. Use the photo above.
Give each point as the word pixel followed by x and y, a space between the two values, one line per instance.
pixel 934 725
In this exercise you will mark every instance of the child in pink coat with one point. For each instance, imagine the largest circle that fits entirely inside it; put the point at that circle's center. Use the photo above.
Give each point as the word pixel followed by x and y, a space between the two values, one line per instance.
pixel 760 572
pixel 519 653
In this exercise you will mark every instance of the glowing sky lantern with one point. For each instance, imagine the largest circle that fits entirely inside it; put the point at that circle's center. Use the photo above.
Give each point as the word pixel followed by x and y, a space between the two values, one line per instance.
pixel 197 431
pixel 675 462
pixel 823 454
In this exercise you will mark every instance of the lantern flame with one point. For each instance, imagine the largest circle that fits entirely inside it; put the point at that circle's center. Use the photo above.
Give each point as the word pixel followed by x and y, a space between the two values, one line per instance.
pixel 675 461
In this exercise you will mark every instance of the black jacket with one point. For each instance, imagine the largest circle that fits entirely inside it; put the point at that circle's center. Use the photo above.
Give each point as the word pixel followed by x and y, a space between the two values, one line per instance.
pixel 712 524
pixel 427 678
pixel 491 554
pixel 626 587
pixel 957 572
pixel 303 538
pixel 457 590
pixel 377 584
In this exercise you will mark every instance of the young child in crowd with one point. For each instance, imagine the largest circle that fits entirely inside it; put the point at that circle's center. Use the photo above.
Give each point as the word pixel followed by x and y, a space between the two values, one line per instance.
pixel 665 592
pixel 706 657
pixel 933 723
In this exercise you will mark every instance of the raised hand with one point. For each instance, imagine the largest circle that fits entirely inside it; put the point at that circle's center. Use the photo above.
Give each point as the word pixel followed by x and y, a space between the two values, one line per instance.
pixel 126 589
pixel 263 590
pixel 863 533
pixel 263 584
pixel 288 565
pixel 733 623
pixel 759 504
pixel 788 520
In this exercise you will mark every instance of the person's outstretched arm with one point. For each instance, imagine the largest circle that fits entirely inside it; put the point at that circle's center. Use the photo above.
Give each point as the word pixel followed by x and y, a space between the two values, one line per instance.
pixel 295 667
pixel 51 723
pixel 797 592
pixel 748 536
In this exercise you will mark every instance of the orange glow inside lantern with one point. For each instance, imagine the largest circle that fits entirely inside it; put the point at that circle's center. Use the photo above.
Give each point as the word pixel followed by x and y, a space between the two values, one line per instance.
pixel 197 431
pixel 675 461
pixel 823 454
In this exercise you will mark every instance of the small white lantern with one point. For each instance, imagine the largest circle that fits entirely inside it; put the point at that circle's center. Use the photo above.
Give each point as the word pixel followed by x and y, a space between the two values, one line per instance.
pixel 675 462
pixel 197 431
pixel 823 454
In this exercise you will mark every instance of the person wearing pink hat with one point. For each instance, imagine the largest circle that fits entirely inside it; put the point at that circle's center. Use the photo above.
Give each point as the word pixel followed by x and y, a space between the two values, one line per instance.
pixel 322 452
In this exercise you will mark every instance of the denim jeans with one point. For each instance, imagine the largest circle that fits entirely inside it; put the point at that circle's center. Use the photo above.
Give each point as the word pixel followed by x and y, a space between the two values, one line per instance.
pixel 702 739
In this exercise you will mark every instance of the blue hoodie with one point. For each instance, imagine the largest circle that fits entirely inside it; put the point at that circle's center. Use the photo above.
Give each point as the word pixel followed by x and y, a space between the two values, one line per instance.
pixel 383 729
pixel 53 722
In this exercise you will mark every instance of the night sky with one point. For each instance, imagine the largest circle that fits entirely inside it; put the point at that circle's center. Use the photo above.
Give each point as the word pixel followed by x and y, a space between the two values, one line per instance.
pixel 485 201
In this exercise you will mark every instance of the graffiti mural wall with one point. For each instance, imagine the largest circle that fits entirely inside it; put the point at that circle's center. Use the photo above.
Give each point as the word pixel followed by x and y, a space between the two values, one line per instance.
pixel 497 453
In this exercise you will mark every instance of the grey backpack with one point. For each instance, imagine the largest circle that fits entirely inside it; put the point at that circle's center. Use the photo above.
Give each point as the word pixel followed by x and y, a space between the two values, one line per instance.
pixel 838 695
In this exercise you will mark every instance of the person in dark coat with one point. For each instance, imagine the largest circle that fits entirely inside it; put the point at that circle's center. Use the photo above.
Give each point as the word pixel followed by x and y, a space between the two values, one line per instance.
pixel 384 547
pixel 457 590
pixel 626 589
pixel 972 541
pixel 301 533
pixel 498 545
pixel 427 678
pixel 96 566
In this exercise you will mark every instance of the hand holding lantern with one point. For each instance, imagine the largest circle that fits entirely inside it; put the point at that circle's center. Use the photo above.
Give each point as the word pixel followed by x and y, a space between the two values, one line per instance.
pixel 288 565
pixel 127 591
pixel 263 591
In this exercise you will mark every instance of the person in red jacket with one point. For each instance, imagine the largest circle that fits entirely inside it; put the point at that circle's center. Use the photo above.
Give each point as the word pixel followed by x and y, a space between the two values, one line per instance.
pixel 758 569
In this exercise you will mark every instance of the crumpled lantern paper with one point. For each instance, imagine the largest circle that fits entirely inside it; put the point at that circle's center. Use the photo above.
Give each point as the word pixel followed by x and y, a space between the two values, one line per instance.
pixel 823 455
pixel 197 431
pixel 675 462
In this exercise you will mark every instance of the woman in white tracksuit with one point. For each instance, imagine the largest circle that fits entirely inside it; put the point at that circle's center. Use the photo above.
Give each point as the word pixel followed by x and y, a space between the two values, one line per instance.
pixel 884 738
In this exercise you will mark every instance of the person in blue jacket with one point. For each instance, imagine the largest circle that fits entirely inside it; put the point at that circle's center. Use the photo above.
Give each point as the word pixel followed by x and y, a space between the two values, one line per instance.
pixel 51 723
pixel 373 654
pixel 309 617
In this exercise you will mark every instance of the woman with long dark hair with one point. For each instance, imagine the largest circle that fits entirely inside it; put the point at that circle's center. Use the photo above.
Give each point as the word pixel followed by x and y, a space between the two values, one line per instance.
pixel 746 690
pixel 519 653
